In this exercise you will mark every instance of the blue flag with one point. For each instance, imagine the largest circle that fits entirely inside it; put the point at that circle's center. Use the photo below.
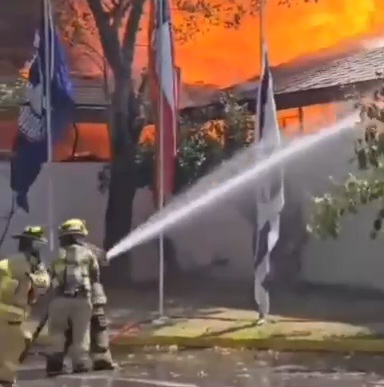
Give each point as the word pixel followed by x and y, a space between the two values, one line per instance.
pixel 30 145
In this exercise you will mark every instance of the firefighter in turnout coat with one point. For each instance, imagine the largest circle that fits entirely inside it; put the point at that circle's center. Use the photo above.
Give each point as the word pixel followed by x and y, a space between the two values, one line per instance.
pixel 23 278
pixel 74 273
pixel 100 346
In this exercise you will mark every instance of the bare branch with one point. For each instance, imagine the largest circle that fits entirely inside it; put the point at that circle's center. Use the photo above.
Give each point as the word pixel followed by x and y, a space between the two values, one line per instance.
pixel 109 37
pixel 117 14
pixel 131 29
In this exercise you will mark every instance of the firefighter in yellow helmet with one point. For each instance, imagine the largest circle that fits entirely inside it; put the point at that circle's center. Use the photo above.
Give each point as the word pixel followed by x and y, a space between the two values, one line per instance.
pixel 74 272
pixel 23 278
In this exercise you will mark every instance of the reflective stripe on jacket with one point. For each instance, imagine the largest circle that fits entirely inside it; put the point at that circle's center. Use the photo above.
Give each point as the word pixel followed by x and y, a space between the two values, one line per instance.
pixel 16 281
pixel 12 313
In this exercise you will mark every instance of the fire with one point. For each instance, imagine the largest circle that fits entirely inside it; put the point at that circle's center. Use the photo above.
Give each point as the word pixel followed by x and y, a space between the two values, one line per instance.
pixel 222 56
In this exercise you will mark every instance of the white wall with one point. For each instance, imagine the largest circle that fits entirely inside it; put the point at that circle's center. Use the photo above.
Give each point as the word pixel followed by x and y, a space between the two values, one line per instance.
pixel 354 259
pixel 75 195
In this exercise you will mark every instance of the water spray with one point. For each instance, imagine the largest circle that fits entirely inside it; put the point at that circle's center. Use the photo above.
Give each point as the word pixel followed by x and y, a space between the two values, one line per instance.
pixel 182 208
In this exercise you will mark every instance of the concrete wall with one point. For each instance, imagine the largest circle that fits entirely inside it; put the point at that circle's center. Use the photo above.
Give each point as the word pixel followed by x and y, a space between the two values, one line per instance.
pixel 75 195
pixel 354 259
pixel 223 232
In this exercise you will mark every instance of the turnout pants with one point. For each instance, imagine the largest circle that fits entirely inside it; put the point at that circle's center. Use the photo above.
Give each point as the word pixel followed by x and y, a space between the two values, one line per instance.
pixel 12 343
pixel 65 312
pixel 100 352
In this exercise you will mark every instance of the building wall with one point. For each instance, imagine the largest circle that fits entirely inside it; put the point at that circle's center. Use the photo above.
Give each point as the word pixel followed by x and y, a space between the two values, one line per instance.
pixel 354 259
pixel 219 240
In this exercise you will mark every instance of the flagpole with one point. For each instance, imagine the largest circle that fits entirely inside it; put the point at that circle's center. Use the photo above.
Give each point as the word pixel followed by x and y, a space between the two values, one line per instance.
pixel 161 162
pixel 261 44
pixel 262 31
pixel 256 236
pixel 48 51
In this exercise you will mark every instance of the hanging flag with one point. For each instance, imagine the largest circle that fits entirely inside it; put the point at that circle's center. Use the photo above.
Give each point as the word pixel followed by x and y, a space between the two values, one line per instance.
pixel 270 195
pixel 163 81
pixel 30 144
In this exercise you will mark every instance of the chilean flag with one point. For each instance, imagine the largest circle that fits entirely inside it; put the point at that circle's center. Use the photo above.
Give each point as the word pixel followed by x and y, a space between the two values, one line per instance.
pixel 163 81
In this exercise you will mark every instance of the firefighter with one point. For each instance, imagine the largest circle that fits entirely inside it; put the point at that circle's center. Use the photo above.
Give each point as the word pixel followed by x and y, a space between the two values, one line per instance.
pixel 100 346
pixel 73 274
pixel 23 278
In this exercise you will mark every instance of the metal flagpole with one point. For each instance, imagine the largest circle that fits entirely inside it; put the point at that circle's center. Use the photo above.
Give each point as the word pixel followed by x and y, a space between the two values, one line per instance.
pixel 261 46
pixel 161 155
pixel 48 52
pixel 256 236
pixel 262 32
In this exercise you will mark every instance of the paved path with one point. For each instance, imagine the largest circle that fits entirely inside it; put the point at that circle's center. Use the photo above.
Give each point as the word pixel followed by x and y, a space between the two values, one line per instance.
pixel 222 369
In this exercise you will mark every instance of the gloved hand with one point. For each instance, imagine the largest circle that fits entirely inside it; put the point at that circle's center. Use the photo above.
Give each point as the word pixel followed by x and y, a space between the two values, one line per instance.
pixel 40 280
pixel 32 296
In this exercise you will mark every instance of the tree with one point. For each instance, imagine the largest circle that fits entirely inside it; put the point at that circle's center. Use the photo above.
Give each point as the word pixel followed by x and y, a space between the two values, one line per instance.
pixel 358 189
pixel 116 24
pixel 201 148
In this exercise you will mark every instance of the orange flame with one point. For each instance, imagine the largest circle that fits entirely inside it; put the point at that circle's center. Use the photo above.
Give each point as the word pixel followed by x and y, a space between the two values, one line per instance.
pixel 223 56
pixel 226 56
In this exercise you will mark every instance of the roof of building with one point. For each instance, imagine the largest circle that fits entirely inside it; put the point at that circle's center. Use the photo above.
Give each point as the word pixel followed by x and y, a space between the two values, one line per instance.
pixel 338 70
pixel 301 75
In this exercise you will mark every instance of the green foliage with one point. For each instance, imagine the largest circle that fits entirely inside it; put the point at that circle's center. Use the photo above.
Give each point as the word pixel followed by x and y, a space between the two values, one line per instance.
pixel 200 148
pixel 359 189
pixel 203 148
pixel 12 93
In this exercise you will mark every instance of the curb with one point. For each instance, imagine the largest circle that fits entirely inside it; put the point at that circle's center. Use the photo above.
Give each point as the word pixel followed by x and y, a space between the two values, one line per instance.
pixel 282 344
pixel 366 345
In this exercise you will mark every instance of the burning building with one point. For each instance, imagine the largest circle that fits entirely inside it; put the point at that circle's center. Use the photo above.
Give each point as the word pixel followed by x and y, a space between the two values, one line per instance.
pixel 330 50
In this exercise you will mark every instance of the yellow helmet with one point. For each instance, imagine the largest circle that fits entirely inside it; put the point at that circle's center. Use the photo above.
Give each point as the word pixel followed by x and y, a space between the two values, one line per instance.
pixel 32 232
pixel 73 227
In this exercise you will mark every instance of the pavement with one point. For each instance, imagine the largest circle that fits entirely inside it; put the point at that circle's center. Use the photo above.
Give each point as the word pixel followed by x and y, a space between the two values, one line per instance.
pixel 207 317
pixel 220 368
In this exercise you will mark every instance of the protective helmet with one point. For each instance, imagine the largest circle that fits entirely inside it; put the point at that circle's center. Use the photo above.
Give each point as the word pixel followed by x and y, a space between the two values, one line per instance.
pixel 73 227
pixel 33 233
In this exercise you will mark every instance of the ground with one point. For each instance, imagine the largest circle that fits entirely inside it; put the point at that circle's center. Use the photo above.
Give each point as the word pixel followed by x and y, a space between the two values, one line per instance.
pixel 222 368
pixel 206 315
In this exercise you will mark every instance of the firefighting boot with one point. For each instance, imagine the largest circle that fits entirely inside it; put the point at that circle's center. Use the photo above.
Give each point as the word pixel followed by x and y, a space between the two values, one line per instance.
pixel 103 365
pixel 55 364
pixel 5 383
pixel 81 366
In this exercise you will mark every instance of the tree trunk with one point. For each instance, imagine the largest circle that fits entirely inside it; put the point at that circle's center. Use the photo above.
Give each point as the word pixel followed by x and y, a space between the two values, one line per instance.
pixel 118 217
pixel 172 266
pixel 122 187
